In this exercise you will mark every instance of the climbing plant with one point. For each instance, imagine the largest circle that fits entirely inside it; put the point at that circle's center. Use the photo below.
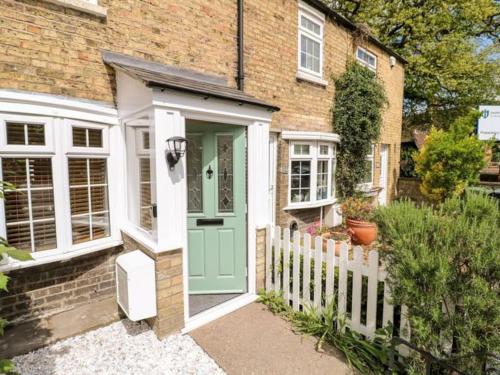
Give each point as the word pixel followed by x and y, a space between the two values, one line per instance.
pixel 357 118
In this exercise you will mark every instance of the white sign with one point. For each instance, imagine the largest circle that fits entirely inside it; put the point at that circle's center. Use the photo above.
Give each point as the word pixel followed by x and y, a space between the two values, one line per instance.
pixel 488 126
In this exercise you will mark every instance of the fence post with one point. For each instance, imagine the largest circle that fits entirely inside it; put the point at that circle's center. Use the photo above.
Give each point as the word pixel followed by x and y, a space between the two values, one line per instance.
pixel 371 310
pixel 357 286
pixel 342 296
pixel 269 255
pixel 330 271
pixel 318 263
pixel 296 271
pixel 306 271
pixel 286 264
pixel 388 311
pixel 277 256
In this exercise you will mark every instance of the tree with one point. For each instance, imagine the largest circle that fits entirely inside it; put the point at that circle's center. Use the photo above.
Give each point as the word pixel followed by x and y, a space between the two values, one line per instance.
pixel 450 160
pixel 452 48
pixel 357 118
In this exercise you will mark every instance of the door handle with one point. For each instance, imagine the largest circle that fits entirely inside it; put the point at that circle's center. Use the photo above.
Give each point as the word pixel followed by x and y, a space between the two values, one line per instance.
pixel 210 172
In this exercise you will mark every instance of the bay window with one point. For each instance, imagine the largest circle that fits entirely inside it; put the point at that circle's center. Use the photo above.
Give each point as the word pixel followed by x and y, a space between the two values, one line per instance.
pixel 312 174
pixel 61 201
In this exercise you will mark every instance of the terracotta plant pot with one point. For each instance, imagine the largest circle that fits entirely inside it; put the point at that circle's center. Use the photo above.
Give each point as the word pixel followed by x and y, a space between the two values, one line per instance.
pixel 328 236
pixel 362 232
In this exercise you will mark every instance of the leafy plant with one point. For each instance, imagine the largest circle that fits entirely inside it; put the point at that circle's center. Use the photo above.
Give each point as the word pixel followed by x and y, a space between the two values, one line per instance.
pixel 443 263
pixel 367 356
pixel 357 118
pixel 6 366
pixel 357 208
pixel 407 164
pixel 450 160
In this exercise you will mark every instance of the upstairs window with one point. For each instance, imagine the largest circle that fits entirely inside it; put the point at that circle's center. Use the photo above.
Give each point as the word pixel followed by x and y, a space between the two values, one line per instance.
pixel 311 24
pixel 367 59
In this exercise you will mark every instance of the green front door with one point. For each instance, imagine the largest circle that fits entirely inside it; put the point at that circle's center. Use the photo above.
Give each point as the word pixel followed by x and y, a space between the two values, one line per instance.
pixel 216 181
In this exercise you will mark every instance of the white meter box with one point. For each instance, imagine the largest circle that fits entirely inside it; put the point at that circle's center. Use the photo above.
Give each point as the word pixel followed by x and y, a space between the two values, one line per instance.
pixel 136 285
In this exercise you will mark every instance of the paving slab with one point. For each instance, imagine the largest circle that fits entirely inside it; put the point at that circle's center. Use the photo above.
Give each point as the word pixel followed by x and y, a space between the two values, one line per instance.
pixel 252 340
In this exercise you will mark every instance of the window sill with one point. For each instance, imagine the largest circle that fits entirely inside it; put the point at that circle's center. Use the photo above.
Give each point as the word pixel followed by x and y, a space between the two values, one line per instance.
pixel 82 6
pixel 303 76
pixel 303 206
pixel 12 264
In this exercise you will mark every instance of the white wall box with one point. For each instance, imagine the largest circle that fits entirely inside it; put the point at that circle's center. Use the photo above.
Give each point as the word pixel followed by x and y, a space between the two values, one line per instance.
pixel 136 285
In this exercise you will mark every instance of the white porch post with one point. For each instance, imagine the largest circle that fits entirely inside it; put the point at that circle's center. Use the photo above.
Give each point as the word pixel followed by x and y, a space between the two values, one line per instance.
pixel 258 190
pixel 170 185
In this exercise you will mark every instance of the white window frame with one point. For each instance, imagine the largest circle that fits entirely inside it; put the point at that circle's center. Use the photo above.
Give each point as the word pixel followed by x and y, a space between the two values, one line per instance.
pixel 313 157
pixel 59 152
pixel 318 18
pixel 373 68
pixel 366 186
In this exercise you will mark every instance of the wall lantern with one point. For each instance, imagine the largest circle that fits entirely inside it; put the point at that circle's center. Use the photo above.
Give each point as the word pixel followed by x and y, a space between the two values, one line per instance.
pixel 176 148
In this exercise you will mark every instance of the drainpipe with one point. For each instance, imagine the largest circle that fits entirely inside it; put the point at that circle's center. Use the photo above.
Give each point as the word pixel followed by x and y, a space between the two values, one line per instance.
pixel 240 78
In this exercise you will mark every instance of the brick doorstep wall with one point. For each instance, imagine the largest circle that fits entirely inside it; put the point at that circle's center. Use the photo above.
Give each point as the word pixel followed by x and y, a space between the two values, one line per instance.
pixel 38 292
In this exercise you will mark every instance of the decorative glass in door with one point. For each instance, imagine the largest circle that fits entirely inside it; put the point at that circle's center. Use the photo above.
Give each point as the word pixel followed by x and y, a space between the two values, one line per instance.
pixel 194 173
pixel 225 171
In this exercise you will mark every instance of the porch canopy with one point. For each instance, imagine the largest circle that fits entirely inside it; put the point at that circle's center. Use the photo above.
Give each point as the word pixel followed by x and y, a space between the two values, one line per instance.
pixel 154 102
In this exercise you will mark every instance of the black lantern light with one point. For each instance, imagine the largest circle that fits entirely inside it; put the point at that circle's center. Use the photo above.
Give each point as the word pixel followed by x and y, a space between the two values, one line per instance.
pixel 176 148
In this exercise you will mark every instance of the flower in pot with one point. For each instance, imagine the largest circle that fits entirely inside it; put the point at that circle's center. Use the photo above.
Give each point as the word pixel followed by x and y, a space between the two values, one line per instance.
pixel 358 212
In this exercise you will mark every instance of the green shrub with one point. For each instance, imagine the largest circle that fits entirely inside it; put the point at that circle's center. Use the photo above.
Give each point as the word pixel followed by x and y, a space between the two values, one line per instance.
pixel 450 160
pixel 447 257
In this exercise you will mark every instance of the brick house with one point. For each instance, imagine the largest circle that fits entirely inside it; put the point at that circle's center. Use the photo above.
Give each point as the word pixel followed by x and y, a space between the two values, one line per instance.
pixel 90 92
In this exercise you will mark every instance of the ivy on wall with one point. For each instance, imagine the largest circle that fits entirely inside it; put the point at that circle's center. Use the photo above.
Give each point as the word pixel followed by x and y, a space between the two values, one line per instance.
pixel 357 118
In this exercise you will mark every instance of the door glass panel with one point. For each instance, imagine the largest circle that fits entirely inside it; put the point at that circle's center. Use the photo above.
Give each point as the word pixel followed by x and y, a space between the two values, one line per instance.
pixel 194 174
pixel 225 172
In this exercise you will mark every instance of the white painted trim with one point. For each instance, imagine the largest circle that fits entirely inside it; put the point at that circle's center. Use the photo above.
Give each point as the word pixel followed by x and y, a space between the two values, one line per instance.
pixel 305 205
pixel 28 103
pixel 218 311
pixel 312 11
pixel 310 136
pixel 306 76
pixel 58 257
pixel 373 68
pixel 86 6
pixel 48 124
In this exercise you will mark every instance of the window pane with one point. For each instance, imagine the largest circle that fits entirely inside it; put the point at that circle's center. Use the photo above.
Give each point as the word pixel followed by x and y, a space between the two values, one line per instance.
pixel 29 211
pixel 300 181
pixel 95 137
pixel 145 140
pixel 310 25
pixel 15 134
pixel 311 51
pixel 145 192
pixel 14 171
pixel 19 236
pixel 89 199
pixel 100 226
pixel 36 134
pixel 79 137
pixel 323 150
pixel 301 149
pixel 225 172
pixel 322 180
pixel 77 171
pixel 40 171
pixel 194 173
pixel 45 235
pixel 368 178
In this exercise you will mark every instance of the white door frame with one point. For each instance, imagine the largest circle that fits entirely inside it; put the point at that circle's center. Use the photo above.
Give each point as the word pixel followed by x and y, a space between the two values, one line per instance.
pixel 273 170
pixel 384 174
pixel 171 110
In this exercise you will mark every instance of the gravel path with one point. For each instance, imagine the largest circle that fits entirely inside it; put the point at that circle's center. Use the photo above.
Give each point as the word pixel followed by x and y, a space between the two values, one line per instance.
pixel 121 348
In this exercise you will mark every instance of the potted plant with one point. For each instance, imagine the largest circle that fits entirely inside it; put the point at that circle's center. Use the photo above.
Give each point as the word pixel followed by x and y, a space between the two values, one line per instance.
pixel 358 212
pixel 339 238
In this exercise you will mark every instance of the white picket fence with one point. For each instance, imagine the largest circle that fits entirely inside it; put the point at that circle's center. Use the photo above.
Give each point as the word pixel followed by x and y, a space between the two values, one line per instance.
pixel 278 274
